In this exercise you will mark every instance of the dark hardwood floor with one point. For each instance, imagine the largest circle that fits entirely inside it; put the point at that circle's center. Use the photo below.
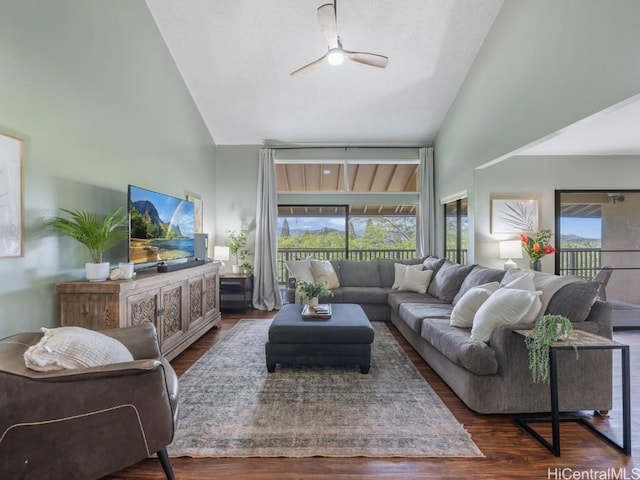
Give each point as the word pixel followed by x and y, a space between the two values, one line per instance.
pixel 509 451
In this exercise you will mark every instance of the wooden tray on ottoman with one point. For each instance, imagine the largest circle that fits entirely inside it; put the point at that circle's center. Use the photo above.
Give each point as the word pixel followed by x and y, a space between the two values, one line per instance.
pixel 309 313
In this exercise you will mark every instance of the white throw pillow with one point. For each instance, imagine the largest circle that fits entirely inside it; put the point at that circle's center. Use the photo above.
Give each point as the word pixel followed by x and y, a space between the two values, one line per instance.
pixel 416 280
pixel 300 270
pixel 507 306
pixel 400 270
pixel 323 272
pixel 465 310
pixel 74 347
pixel 522 282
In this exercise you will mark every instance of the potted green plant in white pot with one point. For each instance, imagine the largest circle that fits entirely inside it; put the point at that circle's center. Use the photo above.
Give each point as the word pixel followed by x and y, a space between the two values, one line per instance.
pixel 98 236
pixel 311 292
pixel 238 248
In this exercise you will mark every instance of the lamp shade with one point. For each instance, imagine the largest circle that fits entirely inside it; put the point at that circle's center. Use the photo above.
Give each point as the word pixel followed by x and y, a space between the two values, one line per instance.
pixel 220 253
pixel 511 249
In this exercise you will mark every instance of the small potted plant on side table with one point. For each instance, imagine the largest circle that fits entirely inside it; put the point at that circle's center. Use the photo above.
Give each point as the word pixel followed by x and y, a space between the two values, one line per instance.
pixel 238 247
pixel 311 292
pixel 547 329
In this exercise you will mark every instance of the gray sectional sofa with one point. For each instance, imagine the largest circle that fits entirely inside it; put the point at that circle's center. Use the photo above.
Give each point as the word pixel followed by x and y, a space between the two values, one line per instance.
pixel 490 377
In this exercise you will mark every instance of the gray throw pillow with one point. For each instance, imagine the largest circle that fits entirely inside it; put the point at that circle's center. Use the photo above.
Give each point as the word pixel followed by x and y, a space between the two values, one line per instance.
pixel 433 263
pixel 447 280
pixel 574 300
pixel 478 276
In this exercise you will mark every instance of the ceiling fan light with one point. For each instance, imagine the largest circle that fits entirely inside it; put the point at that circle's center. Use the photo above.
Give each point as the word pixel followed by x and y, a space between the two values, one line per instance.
pixel 335 56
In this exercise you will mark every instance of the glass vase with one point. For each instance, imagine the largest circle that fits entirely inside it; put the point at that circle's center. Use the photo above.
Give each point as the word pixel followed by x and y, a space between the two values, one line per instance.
pixel 535 265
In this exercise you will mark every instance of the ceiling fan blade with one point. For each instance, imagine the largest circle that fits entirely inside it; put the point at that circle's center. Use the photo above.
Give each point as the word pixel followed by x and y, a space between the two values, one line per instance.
pixel 371 59
pixel 329 24
pixel 310 66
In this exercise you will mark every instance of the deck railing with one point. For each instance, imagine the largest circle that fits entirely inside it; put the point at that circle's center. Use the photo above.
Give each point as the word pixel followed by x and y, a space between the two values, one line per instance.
pixel 582 262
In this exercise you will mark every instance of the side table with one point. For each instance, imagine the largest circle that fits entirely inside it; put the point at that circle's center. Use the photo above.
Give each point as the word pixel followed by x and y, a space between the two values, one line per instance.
pixel 236 291
pixel 581 340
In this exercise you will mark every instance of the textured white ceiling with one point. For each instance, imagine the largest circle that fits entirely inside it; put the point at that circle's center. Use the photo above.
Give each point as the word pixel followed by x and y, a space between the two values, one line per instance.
pixel 236 57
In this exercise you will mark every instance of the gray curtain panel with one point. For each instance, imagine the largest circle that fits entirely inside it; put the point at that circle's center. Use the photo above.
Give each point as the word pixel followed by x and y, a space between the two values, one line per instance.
pixel 426 234
pixel 266 295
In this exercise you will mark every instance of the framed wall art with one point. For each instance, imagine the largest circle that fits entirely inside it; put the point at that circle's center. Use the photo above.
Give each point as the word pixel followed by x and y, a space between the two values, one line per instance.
pixel 197 207
pixel 11 196
pixel 513 215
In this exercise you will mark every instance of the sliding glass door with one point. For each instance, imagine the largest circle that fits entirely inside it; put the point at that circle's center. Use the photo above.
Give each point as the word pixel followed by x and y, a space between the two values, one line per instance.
pixel 601 228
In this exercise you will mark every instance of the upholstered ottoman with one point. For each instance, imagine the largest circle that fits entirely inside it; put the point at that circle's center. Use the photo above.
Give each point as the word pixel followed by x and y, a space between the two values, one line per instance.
pixel 343 339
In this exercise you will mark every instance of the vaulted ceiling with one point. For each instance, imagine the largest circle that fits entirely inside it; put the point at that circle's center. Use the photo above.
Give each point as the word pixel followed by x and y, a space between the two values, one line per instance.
pixel 236 57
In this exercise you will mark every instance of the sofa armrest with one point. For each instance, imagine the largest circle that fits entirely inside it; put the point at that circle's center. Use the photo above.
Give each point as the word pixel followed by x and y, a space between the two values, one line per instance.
pixel 600 314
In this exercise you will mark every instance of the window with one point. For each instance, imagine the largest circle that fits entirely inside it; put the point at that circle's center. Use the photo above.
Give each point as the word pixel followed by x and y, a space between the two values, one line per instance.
pixel 598 228
pixel 456 230
pixel 347 203
pixel 330 232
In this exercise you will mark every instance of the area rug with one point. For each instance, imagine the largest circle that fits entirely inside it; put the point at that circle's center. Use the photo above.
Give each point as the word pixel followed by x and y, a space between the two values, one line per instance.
pixel 231 407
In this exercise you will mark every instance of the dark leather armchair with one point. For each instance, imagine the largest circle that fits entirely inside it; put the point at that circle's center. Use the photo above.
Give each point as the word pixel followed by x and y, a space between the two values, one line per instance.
pixel 88 422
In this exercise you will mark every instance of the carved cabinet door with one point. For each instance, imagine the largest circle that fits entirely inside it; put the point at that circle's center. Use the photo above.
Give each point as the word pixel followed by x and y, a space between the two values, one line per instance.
pixel 171 320
pixel 211 295
pixel 196 301
pixel 143 307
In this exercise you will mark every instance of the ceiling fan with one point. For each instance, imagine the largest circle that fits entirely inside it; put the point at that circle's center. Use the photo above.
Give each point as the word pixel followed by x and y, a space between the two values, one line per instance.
pixel 327 16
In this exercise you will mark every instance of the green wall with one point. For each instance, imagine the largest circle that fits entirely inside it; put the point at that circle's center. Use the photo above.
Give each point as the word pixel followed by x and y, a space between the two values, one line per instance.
pixel 544 65
pixel 92 89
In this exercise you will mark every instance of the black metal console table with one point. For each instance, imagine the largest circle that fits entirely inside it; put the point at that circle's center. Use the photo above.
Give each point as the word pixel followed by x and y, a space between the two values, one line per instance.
pixel 581 340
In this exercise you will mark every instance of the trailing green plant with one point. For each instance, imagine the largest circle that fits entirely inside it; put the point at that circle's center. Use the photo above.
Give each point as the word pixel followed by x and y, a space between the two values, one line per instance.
pixel 547 329
pixel 311 290
pixel 84 227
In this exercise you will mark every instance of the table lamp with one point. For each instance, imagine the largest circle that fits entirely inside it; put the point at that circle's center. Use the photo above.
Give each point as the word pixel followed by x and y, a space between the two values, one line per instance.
pixel 222 254
pixel 510 249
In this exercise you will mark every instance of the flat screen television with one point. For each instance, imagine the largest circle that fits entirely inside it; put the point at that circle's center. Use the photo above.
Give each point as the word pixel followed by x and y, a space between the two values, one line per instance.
pixel 161 227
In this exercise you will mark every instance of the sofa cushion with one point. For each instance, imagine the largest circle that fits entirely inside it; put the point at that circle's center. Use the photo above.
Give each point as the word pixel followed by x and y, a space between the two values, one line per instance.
pixel 447 279
pixel 323 272
pixel 416 280
pixel 507 306
pixel 413 314
pixel 549 284
pixel 513 274
pixel 386 269
pixel 433 263
pixel 478 276
pixel 574 300
pixel 364 295
pixel 457 345
pixel 355 273
pixel 465 310
pixel 523 281
pixel 400 270
pixel 396 299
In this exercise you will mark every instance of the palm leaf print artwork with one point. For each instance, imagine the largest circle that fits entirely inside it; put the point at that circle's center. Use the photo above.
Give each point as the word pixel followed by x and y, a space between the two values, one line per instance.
pixel 510 216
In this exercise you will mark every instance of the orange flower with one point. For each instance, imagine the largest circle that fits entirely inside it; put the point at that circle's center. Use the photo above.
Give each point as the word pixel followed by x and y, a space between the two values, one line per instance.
pixel 536 248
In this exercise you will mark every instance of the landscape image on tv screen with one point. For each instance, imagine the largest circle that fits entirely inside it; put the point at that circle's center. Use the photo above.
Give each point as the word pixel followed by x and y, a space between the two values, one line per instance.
pixel 161 226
